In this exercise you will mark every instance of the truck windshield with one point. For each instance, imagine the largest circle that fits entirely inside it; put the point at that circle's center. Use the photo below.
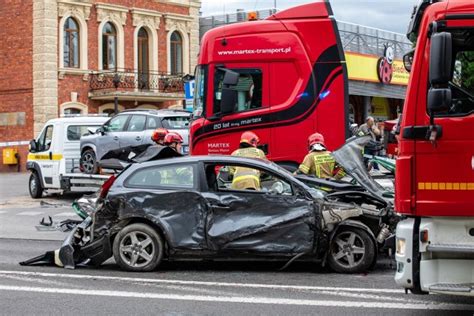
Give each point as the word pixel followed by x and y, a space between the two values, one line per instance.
pixel 199 90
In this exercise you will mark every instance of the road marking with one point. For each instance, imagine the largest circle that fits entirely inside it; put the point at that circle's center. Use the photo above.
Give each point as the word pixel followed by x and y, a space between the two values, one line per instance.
pixel 206 283
pixel 3 212
pixel 243 299
pixel 30 213
pixel 65 214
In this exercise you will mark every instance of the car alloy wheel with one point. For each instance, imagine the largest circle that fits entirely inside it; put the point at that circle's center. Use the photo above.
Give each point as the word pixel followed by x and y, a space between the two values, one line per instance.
pixel 88 162
pixel 138 247
pixel 351 251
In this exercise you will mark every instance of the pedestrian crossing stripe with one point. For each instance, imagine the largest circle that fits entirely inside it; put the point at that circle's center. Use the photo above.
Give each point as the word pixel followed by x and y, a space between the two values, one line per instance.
pixel 446 186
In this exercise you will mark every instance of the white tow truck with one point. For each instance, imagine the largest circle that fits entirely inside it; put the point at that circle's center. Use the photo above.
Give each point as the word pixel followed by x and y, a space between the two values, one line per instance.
pixel 54 157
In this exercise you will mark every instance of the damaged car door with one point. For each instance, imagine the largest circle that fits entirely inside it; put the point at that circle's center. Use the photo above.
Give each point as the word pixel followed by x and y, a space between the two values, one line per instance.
pixel 276 218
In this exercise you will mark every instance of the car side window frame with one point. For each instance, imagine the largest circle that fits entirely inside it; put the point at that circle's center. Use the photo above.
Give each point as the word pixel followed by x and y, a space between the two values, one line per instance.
pixel 125 125
pixel 271 173
pixel 130 120
pixel 42 138
pixel 195 186
pixel 156 119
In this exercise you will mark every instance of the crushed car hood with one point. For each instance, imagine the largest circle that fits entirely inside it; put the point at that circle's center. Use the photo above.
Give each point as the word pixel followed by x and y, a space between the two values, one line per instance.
pixel 350 157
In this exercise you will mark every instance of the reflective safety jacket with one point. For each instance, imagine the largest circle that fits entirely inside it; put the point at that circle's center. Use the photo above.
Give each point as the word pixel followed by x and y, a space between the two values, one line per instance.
pixel 247 178
pixel 322 165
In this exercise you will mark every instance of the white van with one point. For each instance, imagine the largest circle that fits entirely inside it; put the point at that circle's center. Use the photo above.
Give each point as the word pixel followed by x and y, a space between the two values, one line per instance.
pixel 54 156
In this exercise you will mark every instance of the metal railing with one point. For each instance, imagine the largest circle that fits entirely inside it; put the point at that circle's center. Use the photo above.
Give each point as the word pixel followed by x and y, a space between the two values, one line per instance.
pixel 129 80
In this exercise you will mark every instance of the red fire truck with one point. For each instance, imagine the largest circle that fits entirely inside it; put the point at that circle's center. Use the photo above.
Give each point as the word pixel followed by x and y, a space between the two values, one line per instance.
pixel 435 169
pixel 283 77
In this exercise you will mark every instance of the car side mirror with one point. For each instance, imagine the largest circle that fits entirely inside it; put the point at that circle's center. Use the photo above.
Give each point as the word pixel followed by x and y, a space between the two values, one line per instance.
pixel 441 58
pixel 101 130
pixel 439 99
pixel 228 100
pixel 33 146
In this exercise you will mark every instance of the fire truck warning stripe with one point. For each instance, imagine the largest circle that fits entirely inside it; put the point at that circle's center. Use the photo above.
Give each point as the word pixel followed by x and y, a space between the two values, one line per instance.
pixel 446 186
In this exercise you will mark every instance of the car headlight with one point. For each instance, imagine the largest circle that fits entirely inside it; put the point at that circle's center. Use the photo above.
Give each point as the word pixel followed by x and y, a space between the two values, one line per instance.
pixel 401 246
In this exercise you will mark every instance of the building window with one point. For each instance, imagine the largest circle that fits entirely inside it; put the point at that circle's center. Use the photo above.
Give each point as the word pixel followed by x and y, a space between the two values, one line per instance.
pixel 143 59
pixel 72 111
pixel 176 50
pixel 109 47
pixel 71 43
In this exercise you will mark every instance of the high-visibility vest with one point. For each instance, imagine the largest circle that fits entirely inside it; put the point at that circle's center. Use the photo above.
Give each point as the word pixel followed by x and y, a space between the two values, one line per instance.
pixel 247 178
pixel 322 165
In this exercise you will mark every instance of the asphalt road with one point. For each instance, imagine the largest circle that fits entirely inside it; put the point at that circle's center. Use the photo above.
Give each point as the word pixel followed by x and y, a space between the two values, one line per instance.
pixel 184 288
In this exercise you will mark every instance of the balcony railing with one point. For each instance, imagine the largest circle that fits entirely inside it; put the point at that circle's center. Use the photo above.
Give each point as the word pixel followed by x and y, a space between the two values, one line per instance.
pixel 129 80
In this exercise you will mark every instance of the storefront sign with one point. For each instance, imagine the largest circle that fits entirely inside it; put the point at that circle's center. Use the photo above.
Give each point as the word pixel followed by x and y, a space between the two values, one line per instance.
pixel 367 68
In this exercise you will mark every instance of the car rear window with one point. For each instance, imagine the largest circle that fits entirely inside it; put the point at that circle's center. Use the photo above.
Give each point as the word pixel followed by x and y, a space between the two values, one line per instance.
pixel 175 122
pixel 74 132
pixel 175 176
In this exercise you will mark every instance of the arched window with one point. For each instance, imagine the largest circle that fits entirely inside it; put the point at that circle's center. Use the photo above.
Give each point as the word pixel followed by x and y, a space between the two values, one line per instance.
pixel 109 47
pixel 71 43
pixel 176 52
pixel 143 59
pixel 72 111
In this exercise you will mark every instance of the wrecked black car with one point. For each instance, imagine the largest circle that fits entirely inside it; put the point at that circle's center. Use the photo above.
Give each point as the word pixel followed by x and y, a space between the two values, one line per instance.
pixel 186 208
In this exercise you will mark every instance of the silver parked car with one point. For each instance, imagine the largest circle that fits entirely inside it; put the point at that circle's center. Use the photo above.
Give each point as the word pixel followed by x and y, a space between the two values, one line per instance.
pixel 130 128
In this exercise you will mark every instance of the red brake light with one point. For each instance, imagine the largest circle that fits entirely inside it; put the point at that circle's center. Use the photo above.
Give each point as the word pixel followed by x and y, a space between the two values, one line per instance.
pixel 106 186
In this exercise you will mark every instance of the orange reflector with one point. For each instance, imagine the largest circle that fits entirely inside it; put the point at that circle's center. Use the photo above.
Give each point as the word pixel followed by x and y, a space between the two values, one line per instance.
pixel 424 235
pixel 252 16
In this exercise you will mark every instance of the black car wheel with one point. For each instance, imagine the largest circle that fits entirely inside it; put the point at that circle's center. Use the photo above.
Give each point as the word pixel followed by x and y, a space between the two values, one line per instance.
pixel 89 162
pixel 351 251
pixel 138 248
pixel 35 187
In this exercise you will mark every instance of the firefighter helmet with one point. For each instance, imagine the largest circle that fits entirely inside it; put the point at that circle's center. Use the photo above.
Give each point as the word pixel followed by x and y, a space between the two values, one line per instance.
pixel 173 137
pixel 159 134
pixel 316 138
pixel 250 138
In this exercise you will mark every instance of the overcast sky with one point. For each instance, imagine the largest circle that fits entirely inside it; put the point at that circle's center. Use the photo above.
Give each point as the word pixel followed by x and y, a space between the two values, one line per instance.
pixel 391 15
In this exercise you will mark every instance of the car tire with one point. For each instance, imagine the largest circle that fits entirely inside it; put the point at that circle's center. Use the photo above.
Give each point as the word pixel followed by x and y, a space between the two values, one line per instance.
pixel 88 162
pixel 34 186
pixel 351 250
pixel 138 248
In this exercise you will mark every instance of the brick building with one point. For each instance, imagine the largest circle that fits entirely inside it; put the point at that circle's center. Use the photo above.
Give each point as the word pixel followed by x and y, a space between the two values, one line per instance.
pixel 74 57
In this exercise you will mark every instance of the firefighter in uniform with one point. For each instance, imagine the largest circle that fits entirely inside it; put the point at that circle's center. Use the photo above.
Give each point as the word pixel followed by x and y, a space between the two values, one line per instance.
pixel 247 178
pixel 158 136
pixel 179 176
pixel 319 162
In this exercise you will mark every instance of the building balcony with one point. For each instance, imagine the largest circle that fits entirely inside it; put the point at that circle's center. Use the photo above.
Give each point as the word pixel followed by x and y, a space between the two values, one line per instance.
pixel 129 85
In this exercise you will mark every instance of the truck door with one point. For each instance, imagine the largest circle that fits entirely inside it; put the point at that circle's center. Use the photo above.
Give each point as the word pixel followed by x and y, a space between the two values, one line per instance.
pixel 445 169
pixel 47 159
pixel 251 105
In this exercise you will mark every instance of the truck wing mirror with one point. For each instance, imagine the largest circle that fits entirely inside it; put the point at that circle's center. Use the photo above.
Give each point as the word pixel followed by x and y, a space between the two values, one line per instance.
pixel 408 60
pixel 439 99
pixel 231 78
pixel 33 146
pixel 228 100
pixel 441 58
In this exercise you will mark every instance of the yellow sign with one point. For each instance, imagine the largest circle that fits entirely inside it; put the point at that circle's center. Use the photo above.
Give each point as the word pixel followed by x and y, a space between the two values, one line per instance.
pixel 365 67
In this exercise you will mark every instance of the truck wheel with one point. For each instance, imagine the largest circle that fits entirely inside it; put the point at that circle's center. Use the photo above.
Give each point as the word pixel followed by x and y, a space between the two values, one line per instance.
pixel 34 185
pixel 351 251
pixel 88 162
pixel 138 248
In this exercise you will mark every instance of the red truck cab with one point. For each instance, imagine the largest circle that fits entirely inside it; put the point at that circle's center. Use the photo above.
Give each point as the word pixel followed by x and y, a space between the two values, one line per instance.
pixel 435 170
pixel 283 78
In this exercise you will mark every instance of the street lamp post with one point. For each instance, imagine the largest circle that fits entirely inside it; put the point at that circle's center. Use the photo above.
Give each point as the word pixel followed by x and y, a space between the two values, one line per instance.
pixel 116 82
